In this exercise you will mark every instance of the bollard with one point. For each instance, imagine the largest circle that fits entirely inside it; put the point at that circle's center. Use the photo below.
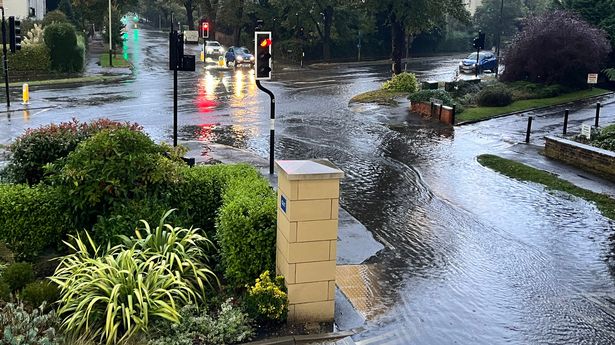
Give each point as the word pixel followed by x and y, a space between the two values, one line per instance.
pixel 566 121
pixel 440 114
pixel 431 109
pixel 453 115
pixel 529 129
pixel 597 114
pixel 26 94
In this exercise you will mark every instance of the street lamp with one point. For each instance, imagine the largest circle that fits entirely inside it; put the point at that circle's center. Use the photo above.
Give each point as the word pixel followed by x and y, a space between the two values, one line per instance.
pixel 110 39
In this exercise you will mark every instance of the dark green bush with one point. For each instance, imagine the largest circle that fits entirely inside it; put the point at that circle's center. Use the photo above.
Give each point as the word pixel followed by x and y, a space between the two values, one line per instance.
pixel 5 292
pixel 66 55
pixel 33 219
pixel 54 17
pixel 31 58
pixel 40 291
pixel 427 95
pixel 18 275
pixel 111 168
pixel 494 96
pixel 246 230
pixel 267 300
pixel 526 90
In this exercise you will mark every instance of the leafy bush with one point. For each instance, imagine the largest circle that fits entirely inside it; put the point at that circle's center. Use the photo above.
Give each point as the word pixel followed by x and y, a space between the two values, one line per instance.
pixel 5 292
pixel 113 167
pixel 231 326
pixel 267 300
pixel 18 275
pixel 115 295
pixel 19 326
pixel 403 82
pixel 39 292
pixel 526 90
pixel 494 96
pixel 427 95
pixel 543 52
pixel 605 138
pixel 66 55
pixel 246 227
pixel 31 58
pixel 54 17
pixel 33 219
pixel 184 250
pixel 34 149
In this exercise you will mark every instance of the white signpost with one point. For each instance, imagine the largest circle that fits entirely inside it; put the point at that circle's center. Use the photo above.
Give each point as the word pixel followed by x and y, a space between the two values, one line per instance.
pixel 586 130
pixel 592 78
pixel 191 36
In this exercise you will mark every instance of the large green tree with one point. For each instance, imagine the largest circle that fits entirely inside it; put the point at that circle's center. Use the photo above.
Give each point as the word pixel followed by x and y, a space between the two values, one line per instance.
pixel 489 18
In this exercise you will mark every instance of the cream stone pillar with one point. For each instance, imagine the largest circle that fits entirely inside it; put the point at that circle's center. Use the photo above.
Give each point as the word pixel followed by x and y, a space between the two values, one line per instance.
pixel 308 205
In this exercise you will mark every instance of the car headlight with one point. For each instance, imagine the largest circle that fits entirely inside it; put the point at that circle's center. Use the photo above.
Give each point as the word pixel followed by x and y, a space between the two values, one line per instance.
pixel 460 64
pixel 239 58
pixel 210 50
pixel 251 58
pixel 222 50
pixel 473 65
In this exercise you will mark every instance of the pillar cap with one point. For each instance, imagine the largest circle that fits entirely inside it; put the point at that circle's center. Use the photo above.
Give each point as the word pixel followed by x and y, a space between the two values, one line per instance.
pixel 317 169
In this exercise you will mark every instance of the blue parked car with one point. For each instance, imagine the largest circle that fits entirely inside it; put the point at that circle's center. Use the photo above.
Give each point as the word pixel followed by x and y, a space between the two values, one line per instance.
pixel 486 61
pixel 237 56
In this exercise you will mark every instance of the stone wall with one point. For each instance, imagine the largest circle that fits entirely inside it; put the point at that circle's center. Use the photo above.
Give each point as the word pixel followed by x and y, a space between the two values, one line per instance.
pixel 586 157
pixel 443 114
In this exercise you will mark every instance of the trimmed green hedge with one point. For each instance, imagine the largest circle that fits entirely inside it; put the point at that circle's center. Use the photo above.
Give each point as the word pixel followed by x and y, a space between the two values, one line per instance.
pixel 66 54
pixel 32 57
pixel 33 219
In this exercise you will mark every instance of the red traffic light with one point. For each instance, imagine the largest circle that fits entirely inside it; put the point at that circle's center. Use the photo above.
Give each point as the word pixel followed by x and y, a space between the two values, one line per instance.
pixel 205 25
pixel 265 43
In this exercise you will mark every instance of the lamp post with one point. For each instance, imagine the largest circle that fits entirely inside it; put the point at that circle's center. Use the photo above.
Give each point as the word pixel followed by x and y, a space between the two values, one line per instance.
pixel 110 38
pixel 497 64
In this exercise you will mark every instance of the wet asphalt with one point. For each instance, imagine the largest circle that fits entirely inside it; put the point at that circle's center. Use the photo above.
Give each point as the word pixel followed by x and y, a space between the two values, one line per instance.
pixel 470 257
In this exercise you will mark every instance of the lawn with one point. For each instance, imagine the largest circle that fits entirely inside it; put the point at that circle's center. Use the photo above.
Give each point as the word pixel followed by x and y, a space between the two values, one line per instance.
pixel 118 61
pixel 77 80
pixel 522 172
pixel 483 113
pixel 384 97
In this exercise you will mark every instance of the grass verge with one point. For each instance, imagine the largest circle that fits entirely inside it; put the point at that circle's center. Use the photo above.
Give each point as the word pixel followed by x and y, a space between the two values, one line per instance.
pixel 384 97
pixel 118 61
pixel 483 113
pixel 522 172
pixel 78 80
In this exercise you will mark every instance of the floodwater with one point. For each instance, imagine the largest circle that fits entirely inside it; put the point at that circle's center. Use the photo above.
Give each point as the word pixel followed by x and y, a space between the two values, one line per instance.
pixel 470 257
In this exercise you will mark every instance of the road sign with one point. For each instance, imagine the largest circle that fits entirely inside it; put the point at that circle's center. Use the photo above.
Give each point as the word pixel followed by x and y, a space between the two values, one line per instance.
pixel 586 130
pixel 592 78
pixel 191 36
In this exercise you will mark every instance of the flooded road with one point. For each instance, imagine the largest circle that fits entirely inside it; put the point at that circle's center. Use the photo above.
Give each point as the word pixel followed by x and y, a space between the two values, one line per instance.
pixel 471 257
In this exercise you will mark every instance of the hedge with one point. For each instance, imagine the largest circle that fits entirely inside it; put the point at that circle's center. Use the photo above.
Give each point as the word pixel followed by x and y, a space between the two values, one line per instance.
pixel 66 54
pixel 32 57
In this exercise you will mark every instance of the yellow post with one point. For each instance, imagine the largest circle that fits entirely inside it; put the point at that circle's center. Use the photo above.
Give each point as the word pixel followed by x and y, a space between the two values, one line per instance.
pixel 202 56
pixel 26 94
pixel 220 61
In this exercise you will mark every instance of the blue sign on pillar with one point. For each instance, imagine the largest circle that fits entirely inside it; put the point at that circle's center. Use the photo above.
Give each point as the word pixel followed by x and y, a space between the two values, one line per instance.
pixel 283 203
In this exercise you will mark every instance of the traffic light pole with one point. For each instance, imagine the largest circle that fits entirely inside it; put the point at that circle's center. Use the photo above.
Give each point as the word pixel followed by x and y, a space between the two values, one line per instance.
pixel 271 126
pixel 175 108
pixel 5 60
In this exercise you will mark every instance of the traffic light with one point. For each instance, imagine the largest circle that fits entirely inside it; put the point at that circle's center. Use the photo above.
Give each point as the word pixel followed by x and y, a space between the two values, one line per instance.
pixel 14 34
pixel 177 60
pixel 302 32
pixel 479 41
pixel 263 67
pixel 475 43
pixel 205 29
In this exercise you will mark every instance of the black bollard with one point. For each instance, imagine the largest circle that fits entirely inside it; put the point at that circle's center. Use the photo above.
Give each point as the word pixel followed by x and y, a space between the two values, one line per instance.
pixel 566 121
pixel 529 129
pixel 597 114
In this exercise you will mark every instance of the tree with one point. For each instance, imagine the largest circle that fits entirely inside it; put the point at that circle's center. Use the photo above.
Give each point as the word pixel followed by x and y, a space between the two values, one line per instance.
pixel 556 47
pixel 487 19
pixel 409 18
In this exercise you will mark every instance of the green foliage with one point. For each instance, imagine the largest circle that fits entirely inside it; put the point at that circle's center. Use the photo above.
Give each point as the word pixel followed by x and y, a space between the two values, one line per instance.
pixel 113 167
pixel 117 294
pixel 605 138
pixel 33 219
pixel 246 228
pixel 5 292
pixel 526 90
pixel 66 55
pixel 18 326
pixel 31 57
pixel 487 18
pixel 267 300
pixel 55 17
pixel 34 149
pixel 184 250
pixel 427 95
pixel 229 326
pixel 494 96
pixel 403 82
pixel 39 292
pixel 18 275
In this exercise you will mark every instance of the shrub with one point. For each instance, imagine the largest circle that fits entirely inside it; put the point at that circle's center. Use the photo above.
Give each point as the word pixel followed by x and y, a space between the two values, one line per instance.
pixel 66 55
pixel 18 275
pixel 266 300
pixel 34 36
pixel 403 82
pixel 5 292
pixel 54 17
pixel 33 219
pixel 605 138
pixel 31 58
pixel 39 292
pixel 230 327
pixel 19 326
pixel 556 48
pixel 526 90
pixel 116 295
pixel 37 147
pixel 113 167
pixel 246 230
pixel 495 96
pixel 427 95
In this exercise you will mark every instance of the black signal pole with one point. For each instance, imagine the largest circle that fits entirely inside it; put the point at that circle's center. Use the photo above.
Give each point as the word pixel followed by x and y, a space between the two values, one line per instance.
pixel 5 60
pixel 497 62
pixel 271 125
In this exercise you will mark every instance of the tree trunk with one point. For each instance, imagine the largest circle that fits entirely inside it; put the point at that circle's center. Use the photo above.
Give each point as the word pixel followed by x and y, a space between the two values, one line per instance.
pixel 326 43
pixel 189 10
pixel 237 29
pixel 397 41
